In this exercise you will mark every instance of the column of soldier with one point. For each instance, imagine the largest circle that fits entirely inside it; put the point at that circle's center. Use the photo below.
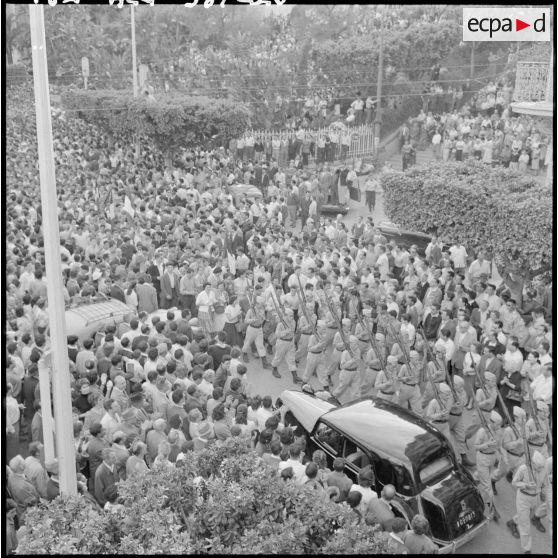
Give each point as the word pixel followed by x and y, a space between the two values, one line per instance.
pixel 358 351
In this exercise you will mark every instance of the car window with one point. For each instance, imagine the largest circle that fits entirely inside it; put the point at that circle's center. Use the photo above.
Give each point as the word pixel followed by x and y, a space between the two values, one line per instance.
pixel 355 455
pixel 329 438
pixel 433 470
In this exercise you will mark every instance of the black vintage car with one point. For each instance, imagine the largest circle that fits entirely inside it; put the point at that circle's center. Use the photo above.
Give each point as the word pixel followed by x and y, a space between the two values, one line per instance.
pixel 405 238
pixel 403 450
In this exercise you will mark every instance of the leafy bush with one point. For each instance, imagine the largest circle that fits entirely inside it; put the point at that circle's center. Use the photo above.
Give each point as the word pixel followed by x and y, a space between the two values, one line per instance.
pixel 170 121
pixel 245 508
pixel 500 210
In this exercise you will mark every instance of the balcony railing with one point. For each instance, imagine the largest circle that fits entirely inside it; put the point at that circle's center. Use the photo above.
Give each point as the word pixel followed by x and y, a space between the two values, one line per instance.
pixel 531 80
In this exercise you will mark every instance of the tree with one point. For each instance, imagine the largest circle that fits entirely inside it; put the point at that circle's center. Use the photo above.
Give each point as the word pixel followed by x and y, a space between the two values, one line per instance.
pixel 495 209
pixel 170 121
pixel 223 500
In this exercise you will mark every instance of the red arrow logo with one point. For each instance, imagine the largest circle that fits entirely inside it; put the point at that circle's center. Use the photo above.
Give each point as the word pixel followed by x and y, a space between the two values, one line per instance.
pixel 519 25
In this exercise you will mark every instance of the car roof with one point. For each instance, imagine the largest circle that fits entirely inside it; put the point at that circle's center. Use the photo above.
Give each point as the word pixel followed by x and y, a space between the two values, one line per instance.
pixel 91 313
pixel 306 408
pixel 247 189
pixel 387 429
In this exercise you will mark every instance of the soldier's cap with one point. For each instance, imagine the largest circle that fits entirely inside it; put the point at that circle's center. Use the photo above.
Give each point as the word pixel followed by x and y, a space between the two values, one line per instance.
pixel 495 417
pixel 392 359
pixel 542 406
pixel 489 376
pixel 519 412
pixel 458 381
pixel 346 321
pixel 538 459
pixel 444 388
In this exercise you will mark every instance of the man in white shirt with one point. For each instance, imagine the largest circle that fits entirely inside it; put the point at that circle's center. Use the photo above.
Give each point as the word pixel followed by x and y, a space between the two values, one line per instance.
pixel 382 263
pixel 458 255
pixel 542 385
pixel 445 343
pixel 478 268
pixel 295 461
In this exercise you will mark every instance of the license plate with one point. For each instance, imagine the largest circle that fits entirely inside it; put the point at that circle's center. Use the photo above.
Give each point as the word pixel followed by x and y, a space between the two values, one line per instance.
pixel 467 520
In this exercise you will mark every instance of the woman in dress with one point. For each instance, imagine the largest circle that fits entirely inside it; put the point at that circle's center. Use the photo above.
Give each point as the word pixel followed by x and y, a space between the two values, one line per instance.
pixel 205 302
pixel 233 315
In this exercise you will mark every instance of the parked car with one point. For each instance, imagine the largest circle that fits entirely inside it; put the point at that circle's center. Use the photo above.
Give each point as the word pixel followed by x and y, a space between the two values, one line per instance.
pixel 84 320
pixel 405 238
pixel 403 450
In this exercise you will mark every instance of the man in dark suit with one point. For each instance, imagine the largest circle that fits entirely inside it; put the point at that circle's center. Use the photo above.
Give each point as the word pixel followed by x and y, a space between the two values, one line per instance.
pixel 432 323
pixel 155 269
pixel 106 475
pixel 117 292
pixel 169 295
pixel 147 295
pixel 490 363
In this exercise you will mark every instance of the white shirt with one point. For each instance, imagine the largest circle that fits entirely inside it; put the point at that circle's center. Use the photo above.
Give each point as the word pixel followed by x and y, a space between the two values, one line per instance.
pixel 458 255
pixel 542 388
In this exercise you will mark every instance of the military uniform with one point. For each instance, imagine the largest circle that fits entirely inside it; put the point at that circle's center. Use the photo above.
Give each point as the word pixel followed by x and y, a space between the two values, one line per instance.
pixel 536 438
pixel 348 388
pixel 284 346
pixel 386 381
pixel 254 334
pixel 513 453
pixel 456 422
pixel 409 392
pixel 338 348
pixel 436 372
pixel 438 414
pixel 305 330
pixel 527 497
pixel 315 360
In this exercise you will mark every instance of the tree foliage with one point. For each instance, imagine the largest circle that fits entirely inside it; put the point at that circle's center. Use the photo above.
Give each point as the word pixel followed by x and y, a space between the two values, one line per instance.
pixel 242 507
pixel 170 121
pixel 500 210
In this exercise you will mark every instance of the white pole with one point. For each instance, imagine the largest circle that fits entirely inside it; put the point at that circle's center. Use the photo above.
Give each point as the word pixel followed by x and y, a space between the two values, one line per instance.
pixel 135 71
pixel 46 411
pixel 60 366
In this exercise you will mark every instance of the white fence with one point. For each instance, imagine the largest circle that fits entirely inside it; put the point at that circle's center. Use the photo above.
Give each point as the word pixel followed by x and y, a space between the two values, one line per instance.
pixel 284 145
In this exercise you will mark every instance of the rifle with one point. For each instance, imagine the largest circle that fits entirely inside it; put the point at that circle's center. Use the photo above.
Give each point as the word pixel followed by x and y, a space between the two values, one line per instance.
pixel 279 314
pixel 436 392
pixel 481 380
pixel 372 342
pixel 301 289
pixel 483 420
pixel 507 413
pixel 305 312
pixel 534 410
pixel 528 460
pixel 339 324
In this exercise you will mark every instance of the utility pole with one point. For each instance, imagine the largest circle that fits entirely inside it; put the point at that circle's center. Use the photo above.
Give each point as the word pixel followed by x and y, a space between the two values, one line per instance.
pixel 135 70
pixel 56 317
pixel 378 119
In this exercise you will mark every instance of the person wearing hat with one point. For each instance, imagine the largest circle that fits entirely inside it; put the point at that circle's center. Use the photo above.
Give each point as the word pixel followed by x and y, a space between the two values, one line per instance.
pixel 487 445
pixel 437 371
pixel 362 330
pixel 437 411
pixel 348 387
pixel 528 484
pixel 537 428
pixel 513 452
pixel 304 329
pixel 255 317
pixel 284 346
pixel 408 378
pixel 315 359
pixel 486 402
pixel 338 347
pixel 53 484
pixel 386 380
pixel 456 422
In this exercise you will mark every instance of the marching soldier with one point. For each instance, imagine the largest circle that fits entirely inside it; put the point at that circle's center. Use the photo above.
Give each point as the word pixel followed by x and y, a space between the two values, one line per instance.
pixel 372 365
pixel 254 319
pixel 456 422
pixel 487 447
pixel 331 328
pixel 437 411
pixel 386 380
pixel 546 497
pixel 348 388
pixel 513 453
pixel 361 330
pixel 408 377
pixel 528 484
pixel 338 347
pixel 437 373
pixel 536 429
pixel 315 360
pixel 284 346
pixel 305 329
pixel 487 401
pixel 353 354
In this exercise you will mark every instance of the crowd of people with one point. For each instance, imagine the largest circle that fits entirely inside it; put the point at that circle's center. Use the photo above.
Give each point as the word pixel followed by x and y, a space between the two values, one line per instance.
pixel 485 128
pixel 335 306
